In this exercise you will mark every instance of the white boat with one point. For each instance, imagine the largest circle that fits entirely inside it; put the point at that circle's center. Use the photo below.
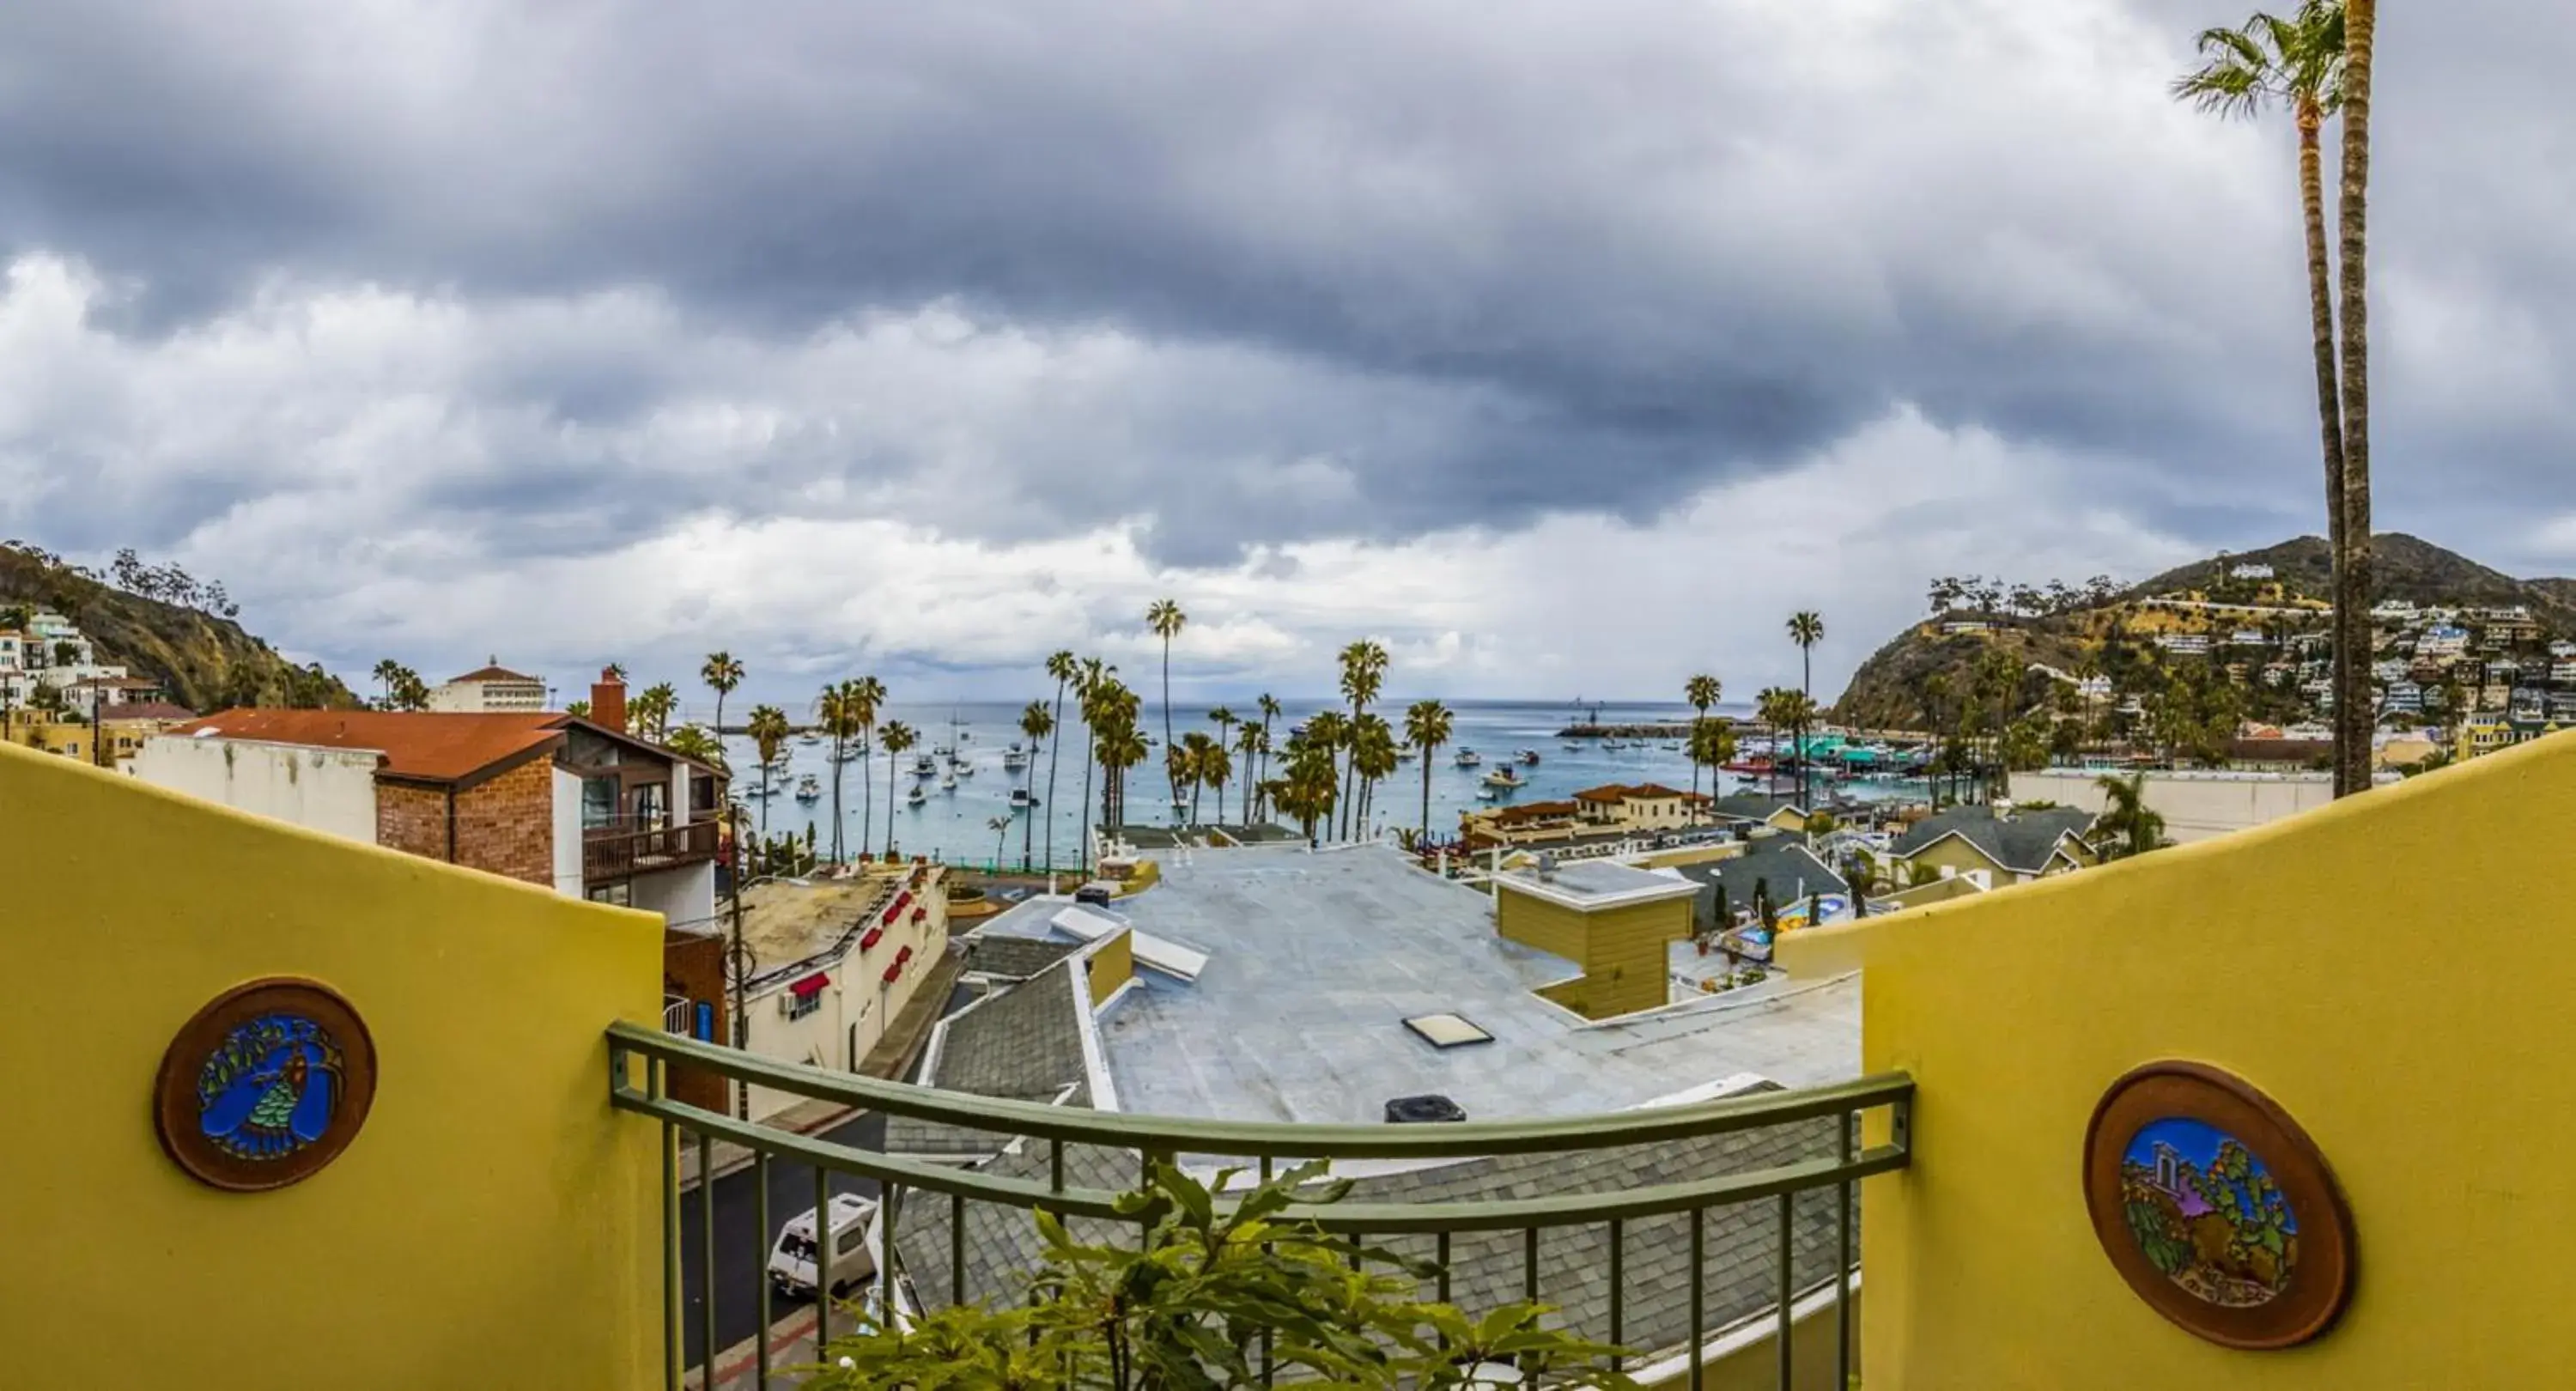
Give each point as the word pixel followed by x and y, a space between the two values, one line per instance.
pixel 1612 745
pixel 1022 798
pixel 1014 760
pixel 915 798
pixel 961 767
pixel 1503 778
pixel 944 752
pixel 1407 754
pixel 948 782
pixel 924 766
pixel 810 789
pixel 1528 757
pixel 809 738
pixel 1484 794
pixel 1468 758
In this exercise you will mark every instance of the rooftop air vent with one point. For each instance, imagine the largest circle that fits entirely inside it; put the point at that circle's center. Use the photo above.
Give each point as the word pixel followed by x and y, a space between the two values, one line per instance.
pixel 1094 894
pixel 1422 1110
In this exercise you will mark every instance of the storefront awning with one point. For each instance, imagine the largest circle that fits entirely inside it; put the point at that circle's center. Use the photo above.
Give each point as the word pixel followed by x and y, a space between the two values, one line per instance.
pixel 811 984
pixel 873 936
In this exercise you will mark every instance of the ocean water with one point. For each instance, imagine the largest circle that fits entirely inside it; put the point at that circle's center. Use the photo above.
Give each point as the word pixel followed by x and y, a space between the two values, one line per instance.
pixel 956 826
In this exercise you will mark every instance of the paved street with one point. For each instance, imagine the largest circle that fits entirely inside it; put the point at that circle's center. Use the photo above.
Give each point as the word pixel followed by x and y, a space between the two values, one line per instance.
pixel 742 1248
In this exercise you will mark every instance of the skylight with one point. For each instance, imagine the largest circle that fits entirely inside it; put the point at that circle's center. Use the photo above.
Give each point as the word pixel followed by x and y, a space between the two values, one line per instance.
pixel 1446 1030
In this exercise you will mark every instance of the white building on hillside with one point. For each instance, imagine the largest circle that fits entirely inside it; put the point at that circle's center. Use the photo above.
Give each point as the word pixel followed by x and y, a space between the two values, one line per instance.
pixel 492 688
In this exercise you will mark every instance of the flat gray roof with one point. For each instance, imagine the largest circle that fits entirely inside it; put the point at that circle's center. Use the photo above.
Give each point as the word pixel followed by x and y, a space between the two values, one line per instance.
pixel 1316 959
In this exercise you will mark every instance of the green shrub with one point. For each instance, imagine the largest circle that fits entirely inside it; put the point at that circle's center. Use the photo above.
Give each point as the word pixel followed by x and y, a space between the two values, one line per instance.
pixel 1186 1310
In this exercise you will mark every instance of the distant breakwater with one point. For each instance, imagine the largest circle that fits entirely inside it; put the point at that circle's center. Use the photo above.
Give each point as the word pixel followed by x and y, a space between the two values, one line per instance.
pixel 1647 731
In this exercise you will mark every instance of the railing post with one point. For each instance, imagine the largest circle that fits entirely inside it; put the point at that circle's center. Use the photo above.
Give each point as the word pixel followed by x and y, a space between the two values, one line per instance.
pixel 1843 1254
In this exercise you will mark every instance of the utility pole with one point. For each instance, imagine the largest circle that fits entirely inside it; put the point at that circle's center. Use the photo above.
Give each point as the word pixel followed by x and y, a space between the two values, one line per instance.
pixel 97 731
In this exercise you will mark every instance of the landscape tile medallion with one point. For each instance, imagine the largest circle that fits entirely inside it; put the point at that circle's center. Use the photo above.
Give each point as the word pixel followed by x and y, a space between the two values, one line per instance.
pixel 265 1085
pixel 2216 1208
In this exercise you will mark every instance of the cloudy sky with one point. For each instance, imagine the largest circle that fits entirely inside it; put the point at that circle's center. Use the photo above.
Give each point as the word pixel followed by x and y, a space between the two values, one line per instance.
pixel 1565 347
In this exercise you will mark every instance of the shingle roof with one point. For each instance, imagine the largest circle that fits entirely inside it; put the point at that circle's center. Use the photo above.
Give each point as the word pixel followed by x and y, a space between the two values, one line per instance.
pixel 1753 806
pixel 147 710
pixel 1024 1043
pixel 1739 1276
pixel 1019 957
pixel 1782 863
pixel 431 747
pixel 2021 842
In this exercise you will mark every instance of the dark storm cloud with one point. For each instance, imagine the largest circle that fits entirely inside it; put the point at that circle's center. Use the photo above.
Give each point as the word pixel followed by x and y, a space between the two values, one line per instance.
pixel 1595 254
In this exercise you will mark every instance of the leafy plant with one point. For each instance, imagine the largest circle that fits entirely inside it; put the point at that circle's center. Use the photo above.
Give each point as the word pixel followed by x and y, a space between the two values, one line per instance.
pixel 1192 1303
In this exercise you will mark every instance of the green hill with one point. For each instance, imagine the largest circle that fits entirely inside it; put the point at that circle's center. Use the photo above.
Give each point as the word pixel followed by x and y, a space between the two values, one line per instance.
pixel 1886 691
pixel 206 661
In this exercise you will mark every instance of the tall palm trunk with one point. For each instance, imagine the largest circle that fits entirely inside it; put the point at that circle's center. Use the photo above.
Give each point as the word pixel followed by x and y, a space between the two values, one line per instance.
pixel 1427 755
pixel 838 742
pixel 1167 715
pixel 1029 825
pixel 2312 207
pixel 1082 851
pixel 867 795
pixel 1054 748
pixel 1807 687
pixel 891 769
pixel 2352 578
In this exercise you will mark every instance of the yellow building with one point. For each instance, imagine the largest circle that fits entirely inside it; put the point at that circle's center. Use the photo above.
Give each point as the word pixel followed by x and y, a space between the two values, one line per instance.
pixel 1613 922
pixel 2012 846
pixel 1641 807
pixel 61 737
pixel 2483 734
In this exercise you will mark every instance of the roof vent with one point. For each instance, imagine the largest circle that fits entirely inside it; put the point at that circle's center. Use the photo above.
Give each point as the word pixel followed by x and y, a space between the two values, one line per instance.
pixel 1547 866
pixel 1423 1110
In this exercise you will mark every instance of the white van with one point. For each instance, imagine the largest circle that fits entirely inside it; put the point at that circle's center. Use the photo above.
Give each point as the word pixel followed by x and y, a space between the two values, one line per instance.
pixel 791 1257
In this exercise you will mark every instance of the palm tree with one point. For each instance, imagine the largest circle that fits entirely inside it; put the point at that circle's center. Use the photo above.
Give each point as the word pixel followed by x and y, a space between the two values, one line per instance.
pixel 1712 744
pixel 386 671
pixel 1224 720
pixel 2126 826
pixel 2353 704
pixel 1166 618
pixel 1215 767
pixel 652 711
pixel 1252 743
pixel 2299 62
pixel 1427 726
pixel 722 674
pixel 897 737
pixel 1122 746
pixel 693 741
pixel 1328 732
pixel 866 699
pixel 1035 724
pixel 1093 676
pixel 1191 766
pixel 768 731
pixel 833 711
pixel 614 671
pixel 1363 673
pixel 1269 706
pixel 1060 665
pixel 1000 826
pixel 1702 692
pixel 1806 629
pixel 1372 758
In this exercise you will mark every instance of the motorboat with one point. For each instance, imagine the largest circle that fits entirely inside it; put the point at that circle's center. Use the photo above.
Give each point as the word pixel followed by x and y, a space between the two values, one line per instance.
pixel 961 768
pixel 1528 758
pixel 1612 745
pixel 915 797
pixel 1407 754
pixel 809 738
pixel 809 789
pixel 1503 779
pixel 1468 758
pixel 1022 799
pixel 1484 794
pixel 948 782
pixel 1013 760
pixel 924 766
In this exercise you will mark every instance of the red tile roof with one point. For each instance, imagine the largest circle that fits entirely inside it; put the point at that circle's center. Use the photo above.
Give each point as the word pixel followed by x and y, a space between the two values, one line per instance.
pixel 1532 811
pixel 1608 792
pixel 147 710
pixel 430 747
pixel 1652 789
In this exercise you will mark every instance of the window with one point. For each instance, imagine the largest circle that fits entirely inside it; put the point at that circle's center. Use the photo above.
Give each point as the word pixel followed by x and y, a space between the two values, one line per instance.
pixel 648 805
pixel 620 893
pixel 798 1006
pixel 598 803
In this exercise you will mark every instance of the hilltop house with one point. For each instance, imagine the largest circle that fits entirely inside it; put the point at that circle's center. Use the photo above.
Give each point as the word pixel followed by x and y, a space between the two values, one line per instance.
pixel 491 687
pixel 2015 846
pixel 1761 809
pixel 1643 807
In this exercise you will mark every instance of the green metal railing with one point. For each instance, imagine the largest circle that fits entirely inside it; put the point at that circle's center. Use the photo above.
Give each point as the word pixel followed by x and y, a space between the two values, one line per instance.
pixel 1782 1147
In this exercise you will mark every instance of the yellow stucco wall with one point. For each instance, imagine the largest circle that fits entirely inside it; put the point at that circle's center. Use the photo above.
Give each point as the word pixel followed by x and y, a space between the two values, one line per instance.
pixel 1621 950
pixel 1112 966
pixel 2355 964
pixel 493 1224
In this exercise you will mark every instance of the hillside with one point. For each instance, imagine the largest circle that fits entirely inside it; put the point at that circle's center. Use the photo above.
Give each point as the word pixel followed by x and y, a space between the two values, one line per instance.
pixel 1886 690
pixel 206 662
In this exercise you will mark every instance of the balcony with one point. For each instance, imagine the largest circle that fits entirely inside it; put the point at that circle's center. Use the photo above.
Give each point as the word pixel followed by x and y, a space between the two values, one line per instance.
pixel 1687 1235
pixel 612 853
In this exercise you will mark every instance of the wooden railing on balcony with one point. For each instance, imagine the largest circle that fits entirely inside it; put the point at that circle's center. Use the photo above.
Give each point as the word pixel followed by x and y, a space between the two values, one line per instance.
pixel 617 853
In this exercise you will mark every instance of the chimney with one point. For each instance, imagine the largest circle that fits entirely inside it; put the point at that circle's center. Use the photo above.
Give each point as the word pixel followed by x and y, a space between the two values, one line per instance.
pixel 608 700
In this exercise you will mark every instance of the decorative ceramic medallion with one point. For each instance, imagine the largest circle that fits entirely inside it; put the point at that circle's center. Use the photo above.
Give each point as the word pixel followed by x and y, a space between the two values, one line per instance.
pixel 2216 1208
pixel 265 1085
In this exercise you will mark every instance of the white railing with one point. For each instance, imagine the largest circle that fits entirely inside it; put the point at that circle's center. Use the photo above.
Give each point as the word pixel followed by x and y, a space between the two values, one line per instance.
pixel 679 1016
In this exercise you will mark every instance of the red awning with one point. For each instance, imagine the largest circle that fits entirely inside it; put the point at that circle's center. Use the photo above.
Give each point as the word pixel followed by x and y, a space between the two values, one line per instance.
pixel 811 984
pixel 903 956
pixel 894 973
pixel 920 913
pixel 874 936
